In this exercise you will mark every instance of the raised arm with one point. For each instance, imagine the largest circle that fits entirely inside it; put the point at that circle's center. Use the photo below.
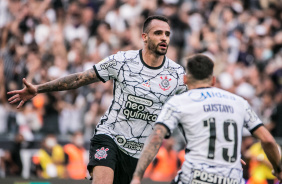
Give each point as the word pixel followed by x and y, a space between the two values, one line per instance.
pixel 149 152
pixel 271 150
pixel 68 82
pixel 72 81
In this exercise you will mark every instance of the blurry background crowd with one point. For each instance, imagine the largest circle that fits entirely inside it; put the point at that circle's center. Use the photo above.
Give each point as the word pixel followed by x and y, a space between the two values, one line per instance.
pixel 42 40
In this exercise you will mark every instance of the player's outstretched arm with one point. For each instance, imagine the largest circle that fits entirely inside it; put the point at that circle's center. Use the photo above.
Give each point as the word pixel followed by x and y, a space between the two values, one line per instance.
pixel 68 82
pixel 271 150
pixel 149 152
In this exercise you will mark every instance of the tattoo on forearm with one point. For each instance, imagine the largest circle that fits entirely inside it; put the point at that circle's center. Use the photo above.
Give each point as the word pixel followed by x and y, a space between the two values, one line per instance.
pixel 151 149
pixel 72 81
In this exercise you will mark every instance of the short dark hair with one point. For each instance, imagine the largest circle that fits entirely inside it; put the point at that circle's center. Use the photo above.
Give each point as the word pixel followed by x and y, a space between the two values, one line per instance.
pixel 200 66
pixel 149 20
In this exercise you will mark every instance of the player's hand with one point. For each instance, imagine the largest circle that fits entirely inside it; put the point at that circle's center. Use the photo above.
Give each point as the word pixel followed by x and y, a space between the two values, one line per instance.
pixel 23 95
pixel 135 180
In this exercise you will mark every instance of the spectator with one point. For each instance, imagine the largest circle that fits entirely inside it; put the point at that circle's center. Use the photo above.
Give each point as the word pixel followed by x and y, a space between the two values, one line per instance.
pixel 50 159
pixel 12 160
pixel 74 27
pixel 76 161
pixel 3 110
pixel 51 115
pixel 276 121
pixel 166 164
pixel 260 168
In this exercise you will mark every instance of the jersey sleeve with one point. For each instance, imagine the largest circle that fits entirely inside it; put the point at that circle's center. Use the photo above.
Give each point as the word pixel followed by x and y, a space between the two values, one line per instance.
pixel 182 86
pixel 169 116
pixel 109 67
pixel 251 120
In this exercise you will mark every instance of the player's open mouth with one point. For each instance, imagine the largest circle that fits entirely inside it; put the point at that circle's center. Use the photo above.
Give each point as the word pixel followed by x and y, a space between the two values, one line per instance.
pixel 163 45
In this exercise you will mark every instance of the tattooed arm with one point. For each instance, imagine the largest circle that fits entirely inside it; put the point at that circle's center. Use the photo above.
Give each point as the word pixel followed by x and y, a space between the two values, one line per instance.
pixel 149 152
pixel 72 81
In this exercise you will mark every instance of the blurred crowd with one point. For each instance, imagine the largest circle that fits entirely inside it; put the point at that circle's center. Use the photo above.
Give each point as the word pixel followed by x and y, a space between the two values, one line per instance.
pixel 41 40
pixel 51 160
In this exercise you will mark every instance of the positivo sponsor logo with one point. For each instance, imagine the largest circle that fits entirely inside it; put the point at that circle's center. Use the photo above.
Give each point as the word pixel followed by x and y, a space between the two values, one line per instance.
pixel 201 177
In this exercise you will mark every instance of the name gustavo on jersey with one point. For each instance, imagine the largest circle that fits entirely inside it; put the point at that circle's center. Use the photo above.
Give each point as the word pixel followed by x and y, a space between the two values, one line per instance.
pixel 218 108
pixel 135 106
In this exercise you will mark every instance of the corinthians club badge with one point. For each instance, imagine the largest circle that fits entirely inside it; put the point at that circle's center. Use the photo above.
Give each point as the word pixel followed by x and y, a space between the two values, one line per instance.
pixel 101 153
pixel 164 85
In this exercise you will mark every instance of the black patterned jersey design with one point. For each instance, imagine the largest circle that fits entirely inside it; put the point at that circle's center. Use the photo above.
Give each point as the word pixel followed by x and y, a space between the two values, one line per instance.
pixel 139 94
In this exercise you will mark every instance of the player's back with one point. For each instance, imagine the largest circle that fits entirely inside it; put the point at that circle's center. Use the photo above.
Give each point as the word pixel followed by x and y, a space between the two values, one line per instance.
pixel 212 120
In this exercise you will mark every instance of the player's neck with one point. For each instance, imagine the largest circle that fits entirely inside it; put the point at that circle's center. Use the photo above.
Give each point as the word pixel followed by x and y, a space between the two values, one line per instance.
pixel 151 58
pixel 198 86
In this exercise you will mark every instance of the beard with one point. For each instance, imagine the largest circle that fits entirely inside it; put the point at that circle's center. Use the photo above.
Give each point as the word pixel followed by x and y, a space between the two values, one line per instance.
pixel 154 48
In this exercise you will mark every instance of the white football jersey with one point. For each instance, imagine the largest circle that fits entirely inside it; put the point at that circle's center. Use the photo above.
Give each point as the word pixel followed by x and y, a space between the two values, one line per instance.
pixel 211 120
pixel 140 91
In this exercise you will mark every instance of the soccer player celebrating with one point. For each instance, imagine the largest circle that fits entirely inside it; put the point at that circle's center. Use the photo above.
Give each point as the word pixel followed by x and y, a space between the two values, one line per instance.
pixel 212 121
pixel 143 81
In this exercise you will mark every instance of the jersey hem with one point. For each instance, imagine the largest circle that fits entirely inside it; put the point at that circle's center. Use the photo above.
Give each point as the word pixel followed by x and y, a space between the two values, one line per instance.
pixel 255 128
pixel 168 130
pixel 98 75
